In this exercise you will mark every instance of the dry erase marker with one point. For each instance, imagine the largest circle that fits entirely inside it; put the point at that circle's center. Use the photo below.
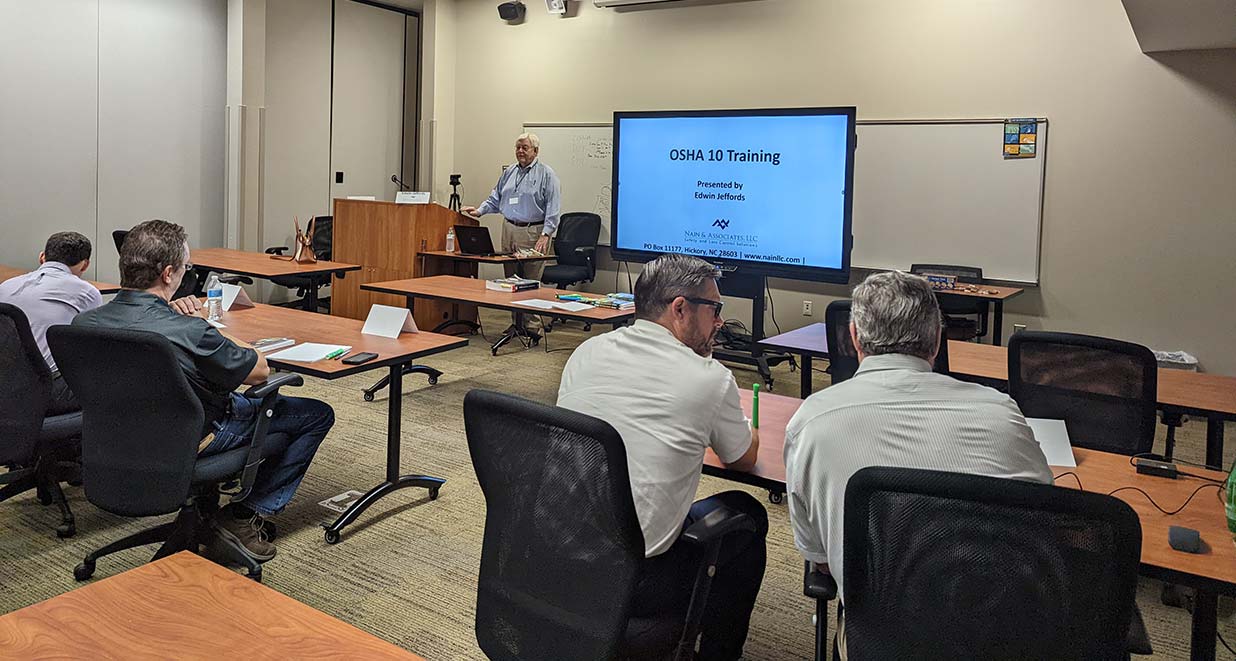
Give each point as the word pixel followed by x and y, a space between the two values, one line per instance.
pixel 333 354
pixel 755 406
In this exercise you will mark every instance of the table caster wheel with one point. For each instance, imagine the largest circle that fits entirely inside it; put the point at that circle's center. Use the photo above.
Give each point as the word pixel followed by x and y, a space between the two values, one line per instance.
pixel 433 380
pixel 331 536
pixel 84 571
pixel 776 497
pixel 368 397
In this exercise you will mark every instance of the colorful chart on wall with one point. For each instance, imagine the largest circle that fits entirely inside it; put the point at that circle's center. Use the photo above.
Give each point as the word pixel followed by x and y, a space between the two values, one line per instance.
pixel 1020 138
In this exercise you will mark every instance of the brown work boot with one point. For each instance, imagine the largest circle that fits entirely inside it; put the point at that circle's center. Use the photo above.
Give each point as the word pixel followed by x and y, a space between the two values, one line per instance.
pixel 244 528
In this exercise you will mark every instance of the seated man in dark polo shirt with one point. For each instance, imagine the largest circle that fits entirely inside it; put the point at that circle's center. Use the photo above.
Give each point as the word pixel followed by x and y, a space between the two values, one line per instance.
pixel 153 260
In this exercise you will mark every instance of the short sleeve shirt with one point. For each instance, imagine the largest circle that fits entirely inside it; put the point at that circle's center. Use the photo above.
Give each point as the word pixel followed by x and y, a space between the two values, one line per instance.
pixel 669 404
pixel 213 364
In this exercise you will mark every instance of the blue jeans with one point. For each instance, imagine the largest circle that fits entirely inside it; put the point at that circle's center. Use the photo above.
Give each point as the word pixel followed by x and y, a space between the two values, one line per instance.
pixel 306 421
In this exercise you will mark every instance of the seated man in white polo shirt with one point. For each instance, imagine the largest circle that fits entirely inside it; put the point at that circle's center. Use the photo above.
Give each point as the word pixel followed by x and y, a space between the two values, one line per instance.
pixel 895 411
pixel 657 384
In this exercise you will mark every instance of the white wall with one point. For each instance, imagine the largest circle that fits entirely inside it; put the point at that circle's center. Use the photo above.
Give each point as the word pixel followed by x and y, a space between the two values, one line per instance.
pixel 1140 209
pixel 113 114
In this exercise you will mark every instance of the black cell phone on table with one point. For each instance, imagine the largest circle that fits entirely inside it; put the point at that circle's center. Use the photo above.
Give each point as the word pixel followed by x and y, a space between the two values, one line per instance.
pixel 359 358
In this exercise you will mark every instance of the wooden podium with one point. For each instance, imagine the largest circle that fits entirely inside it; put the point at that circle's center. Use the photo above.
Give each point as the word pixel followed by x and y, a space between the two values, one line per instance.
pixel 386 239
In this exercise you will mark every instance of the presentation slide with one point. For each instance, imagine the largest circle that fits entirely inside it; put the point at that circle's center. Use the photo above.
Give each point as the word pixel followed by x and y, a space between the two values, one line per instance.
pixel 755 188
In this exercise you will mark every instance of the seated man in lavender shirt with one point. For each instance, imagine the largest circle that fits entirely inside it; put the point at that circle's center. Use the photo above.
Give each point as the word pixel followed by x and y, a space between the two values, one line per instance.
pixel 51 296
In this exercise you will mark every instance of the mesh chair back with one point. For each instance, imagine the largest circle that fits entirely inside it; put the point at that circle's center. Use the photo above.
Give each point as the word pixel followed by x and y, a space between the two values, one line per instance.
pixel 1105 390
pixel 842 356
pixel 576 230
pixel 141 422
pixel 25 387
pixel 972 567
pixel 323 236
pixel 557 495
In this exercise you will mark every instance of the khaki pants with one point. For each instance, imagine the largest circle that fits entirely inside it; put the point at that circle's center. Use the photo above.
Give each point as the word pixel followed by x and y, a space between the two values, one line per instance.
pixel 517 238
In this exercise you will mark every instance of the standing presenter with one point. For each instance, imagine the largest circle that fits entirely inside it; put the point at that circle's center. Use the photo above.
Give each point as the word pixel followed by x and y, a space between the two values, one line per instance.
pixel 529 198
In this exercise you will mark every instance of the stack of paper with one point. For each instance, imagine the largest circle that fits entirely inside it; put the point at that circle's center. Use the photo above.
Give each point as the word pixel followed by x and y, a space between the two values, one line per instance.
pixel 309 352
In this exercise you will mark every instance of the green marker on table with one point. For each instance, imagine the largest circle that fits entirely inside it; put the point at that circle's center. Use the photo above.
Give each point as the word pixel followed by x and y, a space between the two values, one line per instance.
pixel 755 406
pixel 334 354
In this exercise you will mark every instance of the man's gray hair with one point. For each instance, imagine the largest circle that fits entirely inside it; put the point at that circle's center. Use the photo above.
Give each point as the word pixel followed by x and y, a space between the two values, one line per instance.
pixel 532 140
pixel 668 277
pixel 896 312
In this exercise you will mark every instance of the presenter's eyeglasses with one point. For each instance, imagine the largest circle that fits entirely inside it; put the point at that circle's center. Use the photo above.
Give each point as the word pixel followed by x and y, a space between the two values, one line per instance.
pixel 716 305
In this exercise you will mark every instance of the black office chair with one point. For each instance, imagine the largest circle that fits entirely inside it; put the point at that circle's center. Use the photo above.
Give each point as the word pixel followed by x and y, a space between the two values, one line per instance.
pixel 842 355
pixel 307 286
pixel 956 308
pixel 973 567
pixel 141 428
pixel 39 451
pixel 1105 390
pixel 575 248
pixel 558 495
pixel 194 281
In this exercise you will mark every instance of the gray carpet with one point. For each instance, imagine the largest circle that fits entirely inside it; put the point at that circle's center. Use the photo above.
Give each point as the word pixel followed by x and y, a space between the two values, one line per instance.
pixel 407 570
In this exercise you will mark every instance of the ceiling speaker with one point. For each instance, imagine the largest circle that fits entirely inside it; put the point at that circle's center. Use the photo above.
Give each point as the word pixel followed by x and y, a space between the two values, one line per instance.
pixel 511 11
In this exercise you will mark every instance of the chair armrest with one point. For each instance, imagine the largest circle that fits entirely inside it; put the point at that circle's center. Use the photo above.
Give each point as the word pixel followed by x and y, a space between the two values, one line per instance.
pixel 586 250
pixel 590 256
pixel 267 392
pixel 277 250
pixel 817 584
pixel 273 384
pixel 715 525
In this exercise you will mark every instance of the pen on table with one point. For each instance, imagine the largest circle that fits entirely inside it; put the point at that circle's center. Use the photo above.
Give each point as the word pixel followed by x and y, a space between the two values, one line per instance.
pixel 755 406
pixel 343 355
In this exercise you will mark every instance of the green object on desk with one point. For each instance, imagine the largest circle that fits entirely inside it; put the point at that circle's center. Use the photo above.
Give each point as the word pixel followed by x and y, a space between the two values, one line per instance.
pixel 335 354
pixel 755 406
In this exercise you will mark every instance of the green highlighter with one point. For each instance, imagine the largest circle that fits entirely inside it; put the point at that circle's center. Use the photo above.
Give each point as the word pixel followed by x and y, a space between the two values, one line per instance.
pixel 755 406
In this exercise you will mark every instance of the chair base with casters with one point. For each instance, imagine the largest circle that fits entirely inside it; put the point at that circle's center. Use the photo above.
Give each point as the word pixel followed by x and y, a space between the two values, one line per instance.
pixel 385 381
pixel 50 466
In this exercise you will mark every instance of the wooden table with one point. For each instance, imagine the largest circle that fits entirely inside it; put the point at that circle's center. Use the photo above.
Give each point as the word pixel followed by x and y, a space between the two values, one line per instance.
pixel 1211 572
pixel 7 272
pixel 182 607
pixel 484 259
pixel 997 296
pixel 1207 395
pixel 471 290
pixel 262 265
pixel 262 321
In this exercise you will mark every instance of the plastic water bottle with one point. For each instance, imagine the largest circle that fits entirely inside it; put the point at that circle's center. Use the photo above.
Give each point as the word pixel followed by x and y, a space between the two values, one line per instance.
pixel 214 298
pixel 450 240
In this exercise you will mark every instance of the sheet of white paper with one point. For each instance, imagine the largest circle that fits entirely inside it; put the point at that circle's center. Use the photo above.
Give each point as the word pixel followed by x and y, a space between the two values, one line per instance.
pixel 538 303
pixel 371 198
pixel 1053 438
pixel 234 296
pixel 572 306
pixel 215 324
pixel 308 352
pixel 388 321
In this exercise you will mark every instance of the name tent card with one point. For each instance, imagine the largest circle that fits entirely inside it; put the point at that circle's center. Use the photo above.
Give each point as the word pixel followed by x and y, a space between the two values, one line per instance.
pixel 412 197
pixel 388 321
pixel 235 296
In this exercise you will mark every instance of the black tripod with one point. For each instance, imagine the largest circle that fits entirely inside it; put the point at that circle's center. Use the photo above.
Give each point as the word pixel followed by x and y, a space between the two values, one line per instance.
pixel 454 203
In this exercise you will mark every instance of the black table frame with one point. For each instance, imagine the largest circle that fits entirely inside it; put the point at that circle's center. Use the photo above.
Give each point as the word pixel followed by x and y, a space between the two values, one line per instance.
pixel 394 418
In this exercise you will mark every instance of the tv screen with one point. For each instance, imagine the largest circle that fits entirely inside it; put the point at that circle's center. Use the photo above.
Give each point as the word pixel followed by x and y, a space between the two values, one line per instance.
pixel 767 191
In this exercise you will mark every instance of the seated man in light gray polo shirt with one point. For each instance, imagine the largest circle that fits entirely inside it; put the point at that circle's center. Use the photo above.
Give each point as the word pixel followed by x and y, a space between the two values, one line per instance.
pixel 895 411
pixel 657 384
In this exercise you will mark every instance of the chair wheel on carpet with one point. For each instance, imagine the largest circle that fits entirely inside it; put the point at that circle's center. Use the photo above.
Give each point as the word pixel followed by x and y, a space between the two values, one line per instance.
pixel 433 493
pixel 332 537
pixel 84 571
pixel 66 530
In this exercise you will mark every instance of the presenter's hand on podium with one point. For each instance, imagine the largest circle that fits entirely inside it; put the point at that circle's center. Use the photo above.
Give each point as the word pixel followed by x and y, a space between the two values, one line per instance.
pixel 542 244
pixel 471 211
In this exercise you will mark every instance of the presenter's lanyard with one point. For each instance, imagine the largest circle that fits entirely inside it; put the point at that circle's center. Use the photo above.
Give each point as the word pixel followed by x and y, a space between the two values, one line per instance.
pixel 520 177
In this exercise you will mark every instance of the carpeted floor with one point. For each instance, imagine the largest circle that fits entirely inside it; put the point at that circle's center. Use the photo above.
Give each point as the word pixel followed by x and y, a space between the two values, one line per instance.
pixel 407 570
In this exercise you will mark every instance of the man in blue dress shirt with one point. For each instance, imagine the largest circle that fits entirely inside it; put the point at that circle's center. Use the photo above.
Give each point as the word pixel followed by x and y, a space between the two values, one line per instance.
pixel 530 199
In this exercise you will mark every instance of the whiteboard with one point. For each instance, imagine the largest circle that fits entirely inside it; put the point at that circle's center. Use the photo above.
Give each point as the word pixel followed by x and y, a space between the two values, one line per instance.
pixel 581 155
pixel 925 191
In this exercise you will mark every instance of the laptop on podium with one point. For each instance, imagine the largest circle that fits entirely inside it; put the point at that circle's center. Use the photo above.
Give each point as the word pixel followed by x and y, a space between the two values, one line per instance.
pixel 474 240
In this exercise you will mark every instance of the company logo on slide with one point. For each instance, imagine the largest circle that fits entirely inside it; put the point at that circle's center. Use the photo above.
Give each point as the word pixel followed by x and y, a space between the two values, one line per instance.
pixel 721 222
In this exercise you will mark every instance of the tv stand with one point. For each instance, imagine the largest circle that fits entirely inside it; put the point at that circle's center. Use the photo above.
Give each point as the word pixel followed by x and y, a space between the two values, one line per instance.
pixel 750 286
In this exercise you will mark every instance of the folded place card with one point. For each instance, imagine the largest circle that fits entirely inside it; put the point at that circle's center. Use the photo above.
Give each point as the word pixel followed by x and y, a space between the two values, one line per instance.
pixel 234 296
pixel 412 197
pixel 388 321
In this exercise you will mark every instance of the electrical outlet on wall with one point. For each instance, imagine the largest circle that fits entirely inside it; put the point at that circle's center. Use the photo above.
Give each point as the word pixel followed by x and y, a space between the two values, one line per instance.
pixel 806 308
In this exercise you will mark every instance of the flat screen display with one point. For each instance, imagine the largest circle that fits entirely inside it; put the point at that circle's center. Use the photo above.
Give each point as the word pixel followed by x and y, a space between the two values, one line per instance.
pixel 768 191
